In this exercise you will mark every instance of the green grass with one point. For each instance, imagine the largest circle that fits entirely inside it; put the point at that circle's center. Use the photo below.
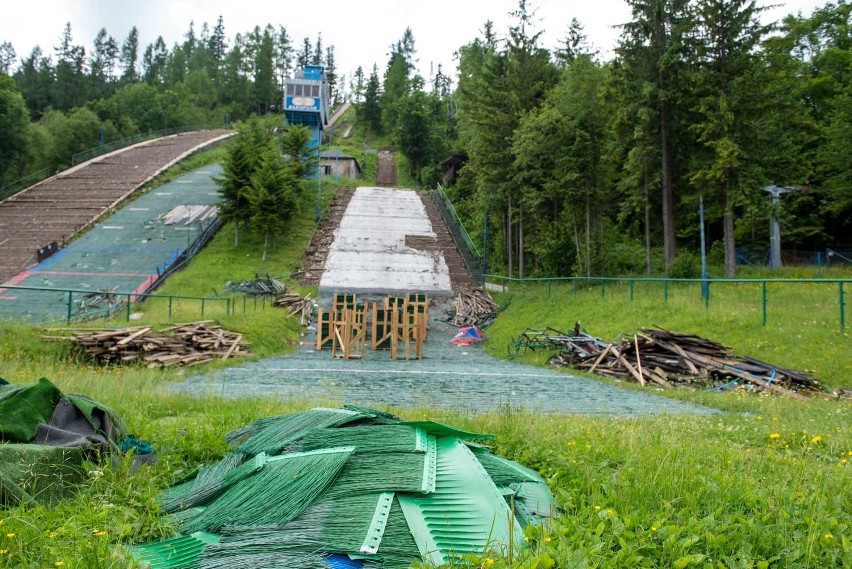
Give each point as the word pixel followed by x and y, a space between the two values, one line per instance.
pixel 802 328
pixel 713 491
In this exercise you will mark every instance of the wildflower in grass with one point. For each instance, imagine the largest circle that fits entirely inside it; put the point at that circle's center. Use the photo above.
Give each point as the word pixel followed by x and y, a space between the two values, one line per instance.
pixel 100 533
pixel 816 440
pixel 654 528
pixel 844 462
pixel 60 564
pixel 547 539
pixel 4 551
pixel 10 535
pixel 774 436
pixel 52 535
pixel 828 536
pixel 487 562
pixel 597 508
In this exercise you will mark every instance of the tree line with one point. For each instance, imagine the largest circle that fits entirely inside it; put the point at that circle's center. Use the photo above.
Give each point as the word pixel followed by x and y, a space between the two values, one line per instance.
pixel 589 167
pixel 53 105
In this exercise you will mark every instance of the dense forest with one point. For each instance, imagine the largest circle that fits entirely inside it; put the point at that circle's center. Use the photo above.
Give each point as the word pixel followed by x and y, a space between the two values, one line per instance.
pixel 573 163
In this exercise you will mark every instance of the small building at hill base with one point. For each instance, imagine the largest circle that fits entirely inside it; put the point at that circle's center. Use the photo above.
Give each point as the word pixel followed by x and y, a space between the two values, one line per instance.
pixel 336 163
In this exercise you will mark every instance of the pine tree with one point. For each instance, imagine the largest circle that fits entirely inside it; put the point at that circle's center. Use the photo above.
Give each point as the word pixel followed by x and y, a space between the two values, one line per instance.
pixel 129 56
pixel 273 195
pixel 303 58
pixel 728 95
pixel 371 110
pixel 654 44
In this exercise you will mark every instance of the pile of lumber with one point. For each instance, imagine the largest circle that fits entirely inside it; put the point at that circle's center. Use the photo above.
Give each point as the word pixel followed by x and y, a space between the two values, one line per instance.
pixel 186 344
pixel 664 358
pixel 475 308
pixel 295 304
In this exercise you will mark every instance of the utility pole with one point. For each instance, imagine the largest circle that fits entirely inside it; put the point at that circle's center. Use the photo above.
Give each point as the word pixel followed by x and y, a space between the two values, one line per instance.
pixel 774 229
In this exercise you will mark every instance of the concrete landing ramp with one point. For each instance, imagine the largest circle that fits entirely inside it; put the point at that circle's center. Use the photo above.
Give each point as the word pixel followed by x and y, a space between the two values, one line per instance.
pixel 370 254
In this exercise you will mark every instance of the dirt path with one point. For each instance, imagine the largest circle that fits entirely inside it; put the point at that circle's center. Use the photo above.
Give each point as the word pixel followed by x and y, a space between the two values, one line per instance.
pixel 386 169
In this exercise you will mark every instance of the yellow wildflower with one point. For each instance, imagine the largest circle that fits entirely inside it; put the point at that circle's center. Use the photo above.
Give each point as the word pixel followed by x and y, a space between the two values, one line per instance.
pixel 597 508
pixel 653 528
pixel 775 436
pixel 4 551
pixel 52 535
pixel 547 539
pixel 828 536
pixel 487 562
pixel 100 533
pixel 844 462
pixel 10 535
pixel 816 440
pixel 60 563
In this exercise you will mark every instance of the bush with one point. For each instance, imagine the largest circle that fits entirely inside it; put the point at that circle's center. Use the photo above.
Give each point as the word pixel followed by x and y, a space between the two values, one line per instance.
pixel 685 266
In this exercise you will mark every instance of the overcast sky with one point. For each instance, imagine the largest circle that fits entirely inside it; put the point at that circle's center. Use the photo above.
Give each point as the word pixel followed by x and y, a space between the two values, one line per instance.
pixel 360 31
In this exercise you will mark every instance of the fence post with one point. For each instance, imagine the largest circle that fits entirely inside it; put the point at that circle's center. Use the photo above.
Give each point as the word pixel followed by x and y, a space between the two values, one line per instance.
pixel 706 290
pixel 842 306
pixel 548 288
pixel 630 285
pixel 603 287
pixel 202 307
pixel 763 288
pixel 170 307
pixel 666 290
pixel 68 308
pixel 244 304
pixel 127 309
pixel 228 306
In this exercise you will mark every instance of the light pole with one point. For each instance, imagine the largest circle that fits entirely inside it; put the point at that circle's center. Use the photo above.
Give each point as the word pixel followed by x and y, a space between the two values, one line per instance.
pixel 774 228
pixel 319 176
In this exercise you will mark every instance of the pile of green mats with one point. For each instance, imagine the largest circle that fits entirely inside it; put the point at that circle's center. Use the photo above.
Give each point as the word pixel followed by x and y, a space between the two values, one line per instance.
pixel 347 488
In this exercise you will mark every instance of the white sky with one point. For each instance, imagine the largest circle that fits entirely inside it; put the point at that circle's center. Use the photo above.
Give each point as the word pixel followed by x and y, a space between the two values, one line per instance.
pixel 360 31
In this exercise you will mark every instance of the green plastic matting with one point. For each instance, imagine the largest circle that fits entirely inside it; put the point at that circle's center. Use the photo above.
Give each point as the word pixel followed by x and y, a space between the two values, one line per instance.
pixel 181 552
pixel 466 513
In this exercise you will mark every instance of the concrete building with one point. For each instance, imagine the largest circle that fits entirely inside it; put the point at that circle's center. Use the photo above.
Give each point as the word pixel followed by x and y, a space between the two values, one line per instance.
pixel 336 163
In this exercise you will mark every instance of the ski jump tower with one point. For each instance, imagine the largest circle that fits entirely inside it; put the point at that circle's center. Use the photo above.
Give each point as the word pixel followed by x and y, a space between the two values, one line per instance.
pixel 306 101
pixel 306 104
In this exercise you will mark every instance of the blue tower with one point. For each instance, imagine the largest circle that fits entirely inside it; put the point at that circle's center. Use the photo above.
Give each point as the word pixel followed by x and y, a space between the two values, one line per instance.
pixel 306 101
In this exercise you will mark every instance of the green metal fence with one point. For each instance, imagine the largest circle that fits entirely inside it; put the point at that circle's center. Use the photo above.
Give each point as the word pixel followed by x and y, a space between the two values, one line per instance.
pixel 763 293
pixel 171 307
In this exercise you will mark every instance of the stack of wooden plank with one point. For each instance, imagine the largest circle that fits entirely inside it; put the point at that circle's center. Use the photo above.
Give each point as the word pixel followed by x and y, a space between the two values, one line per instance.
pixel 186 344
pixel 475 308
pixel 295 304
pixel 654 355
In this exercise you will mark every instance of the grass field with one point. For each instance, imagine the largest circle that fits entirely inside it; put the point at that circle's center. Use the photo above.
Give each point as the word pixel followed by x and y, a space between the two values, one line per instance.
pixel 764 483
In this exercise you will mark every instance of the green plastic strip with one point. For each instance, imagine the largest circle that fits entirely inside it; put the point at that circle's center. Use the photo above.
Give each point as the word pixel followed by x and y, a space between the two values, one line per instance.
pixel 176 552
pixel 441 430
pixel 465 514
pixel 421 440
pixel 378 524
pixel 430 465
pixel 333 450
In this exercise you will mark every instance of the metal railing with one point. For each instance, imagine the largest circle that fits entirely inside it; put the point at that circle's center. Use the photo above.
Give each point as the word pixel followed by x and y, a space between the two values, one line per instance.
pixel 699 286
pixel 470 254
pixel 30 179
pixel 75 307
pixel 130 140
pixel 11 189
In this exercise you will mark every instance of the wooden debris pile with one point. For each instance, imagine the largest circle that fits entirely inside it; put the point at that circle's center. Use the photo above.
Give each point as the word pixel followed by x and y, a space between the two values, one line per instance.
pixel 664 358
pixel 295 304
pixel 186 344
pixel 475 308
